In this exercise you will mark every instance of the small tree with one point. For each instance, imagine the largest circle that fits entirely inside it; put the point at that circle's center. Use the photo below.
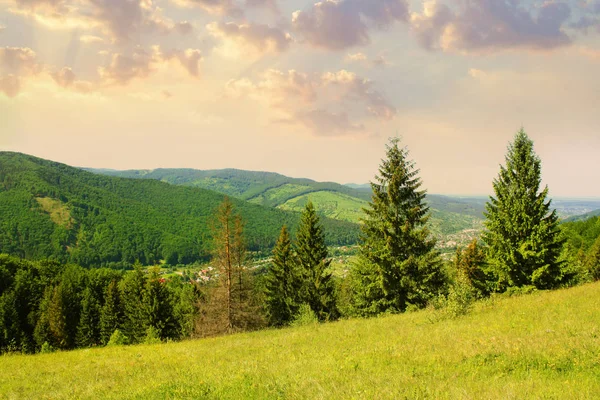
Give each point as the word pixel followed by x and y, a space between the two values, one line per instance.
pixel 282 285
pixel 397 265
pixel 522 232
pixel 318 288
pixel 592 261
pixel 470 263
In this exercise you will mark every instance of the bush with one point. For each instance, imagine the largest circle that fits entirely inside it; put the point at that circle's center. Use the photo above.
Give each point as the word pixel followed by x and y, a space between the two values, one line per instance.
pixel 306 316
pixel 520 291
pixel 46 348
pixel 152 336
pixel 117 339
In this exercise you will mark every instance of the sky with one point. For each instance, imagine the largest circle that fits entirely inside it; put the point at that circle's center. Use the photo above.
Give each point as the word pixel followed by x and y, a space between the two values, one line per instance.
pixel 306 89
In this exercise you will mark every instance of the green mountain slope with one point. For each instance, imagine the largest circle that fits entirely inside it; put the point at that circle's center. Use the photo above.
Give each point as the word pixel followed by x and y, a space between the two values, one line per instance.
pixel 451 217
pixel 539 346
pixel 265 188
pixel 49 209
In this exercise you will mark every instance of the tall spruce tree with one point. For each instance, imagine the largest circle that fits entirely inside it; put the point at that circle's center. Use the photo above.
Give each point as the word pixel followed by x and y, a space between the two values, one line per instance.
pixel 88 329
pixel 318 287
pixel 111 314
pixel 282 285
pixel 397 265
pixel 133 287
pixel 522 232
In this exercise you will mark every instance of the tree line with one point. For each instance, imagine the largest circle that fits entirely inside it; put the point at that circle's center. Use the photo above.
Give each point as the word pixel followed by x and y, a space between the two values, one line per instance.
pixel 50 305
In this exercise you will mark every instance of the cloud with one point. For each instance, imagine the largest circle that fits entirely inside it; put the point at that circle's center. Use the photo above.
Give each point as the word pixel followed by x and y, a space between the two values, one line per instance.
pixel 340 24
pixel 189 59
pixel 120 20
pixel 589 18
pixel 21 61
pixel 90 39
pixel 2 28
pixel 377 61
pixel 356 57
pixel 216 7
pixel 488 25
pixel 250 38
pixel 355 88
pixel 125 67
pixel 10 85
pixel 322 104
pixel 139 64
pixel 67 79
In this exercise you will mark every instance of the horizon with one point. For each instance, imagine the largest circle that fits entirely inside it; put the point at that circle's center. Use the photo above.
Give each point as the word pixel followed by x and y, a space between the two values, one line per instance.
pixel 306 88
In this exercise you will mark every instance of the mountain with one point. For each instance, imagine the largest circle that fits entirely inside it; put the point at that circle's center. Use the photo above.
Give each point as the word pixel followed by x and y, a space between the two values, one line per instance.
pixel 583 217
pixel 53 210
pixel 450 216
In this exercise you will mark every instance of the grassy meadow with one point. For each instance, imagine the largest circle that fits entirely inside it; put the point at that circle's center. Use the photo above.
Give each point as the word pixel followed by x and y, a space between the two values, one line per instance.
pixel 544 346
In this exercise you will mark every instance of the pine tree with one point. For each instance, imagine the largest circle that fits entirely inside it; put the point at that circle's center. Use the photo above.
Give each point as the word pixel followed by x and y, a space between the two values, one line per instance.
pixel 132 296
pixel 397 265
pixel 231 304
pixel 281 283
pixel 158 306
pixel 522 232
pixel 318 289
pixel 111 314
pixel 88 329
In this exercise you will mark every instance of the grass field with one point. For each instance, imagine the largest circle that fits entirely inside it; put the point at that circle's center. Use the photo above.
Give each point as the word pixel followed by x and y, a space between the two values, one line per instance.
pixel 541 346
pixel 329 204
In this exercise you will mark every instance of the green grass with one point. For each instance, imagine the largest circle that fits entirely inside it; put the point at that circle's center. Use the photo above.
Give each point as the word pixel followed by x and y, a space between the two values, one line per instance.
pixel 329 204
pixel 545 345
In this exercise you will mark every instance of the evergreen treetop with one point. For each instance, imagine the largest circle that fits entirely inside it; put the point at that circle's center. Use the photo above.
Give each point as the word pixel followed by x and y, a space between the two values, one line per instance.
pixel 318 286
pixel 522 230
pixel 398 265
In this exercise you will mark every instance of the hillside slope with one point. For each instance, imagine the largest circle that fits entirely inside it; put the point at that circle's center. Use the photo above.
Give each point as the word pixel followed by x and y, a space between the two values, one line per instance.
pixel 544 345
pixel 49 209
pixel 450 216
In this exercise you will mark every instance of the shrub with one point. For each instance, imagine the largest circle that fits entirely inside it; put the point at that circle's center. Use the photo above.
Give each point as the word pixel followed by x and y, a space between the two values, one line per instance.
pixel 117 339
pixel 46 348
pixel 152 336
pixel 306 316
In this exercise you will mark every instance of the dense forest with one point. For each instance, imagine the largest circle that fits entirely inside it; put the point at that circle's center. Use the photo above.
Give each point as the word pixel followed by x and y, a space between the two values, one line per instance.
pixel 50 210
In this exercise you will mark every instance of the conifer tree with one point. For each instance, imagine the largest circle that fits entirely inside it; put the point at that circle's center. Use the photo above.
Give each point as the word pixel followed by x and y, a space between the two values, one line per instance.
pixel 318 289
pixel 397 265
pixel 88 329
pixel 158 304
pixel 281 283
pixel 522 232
pixel 230 306
pixel 132 296
pixel 111 314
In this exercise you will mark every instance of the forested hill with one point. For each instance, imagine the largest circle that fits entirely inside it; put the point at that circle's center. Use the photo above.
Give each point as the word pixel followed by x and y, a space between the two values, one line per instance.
pixel 53 210
pixel 265 188
pixel 450 216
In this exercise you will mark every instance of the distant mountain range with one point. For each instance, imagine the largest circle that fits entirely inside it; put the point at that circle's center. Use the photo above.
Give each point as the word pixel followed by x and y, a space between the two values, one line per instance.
pixel 342 202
